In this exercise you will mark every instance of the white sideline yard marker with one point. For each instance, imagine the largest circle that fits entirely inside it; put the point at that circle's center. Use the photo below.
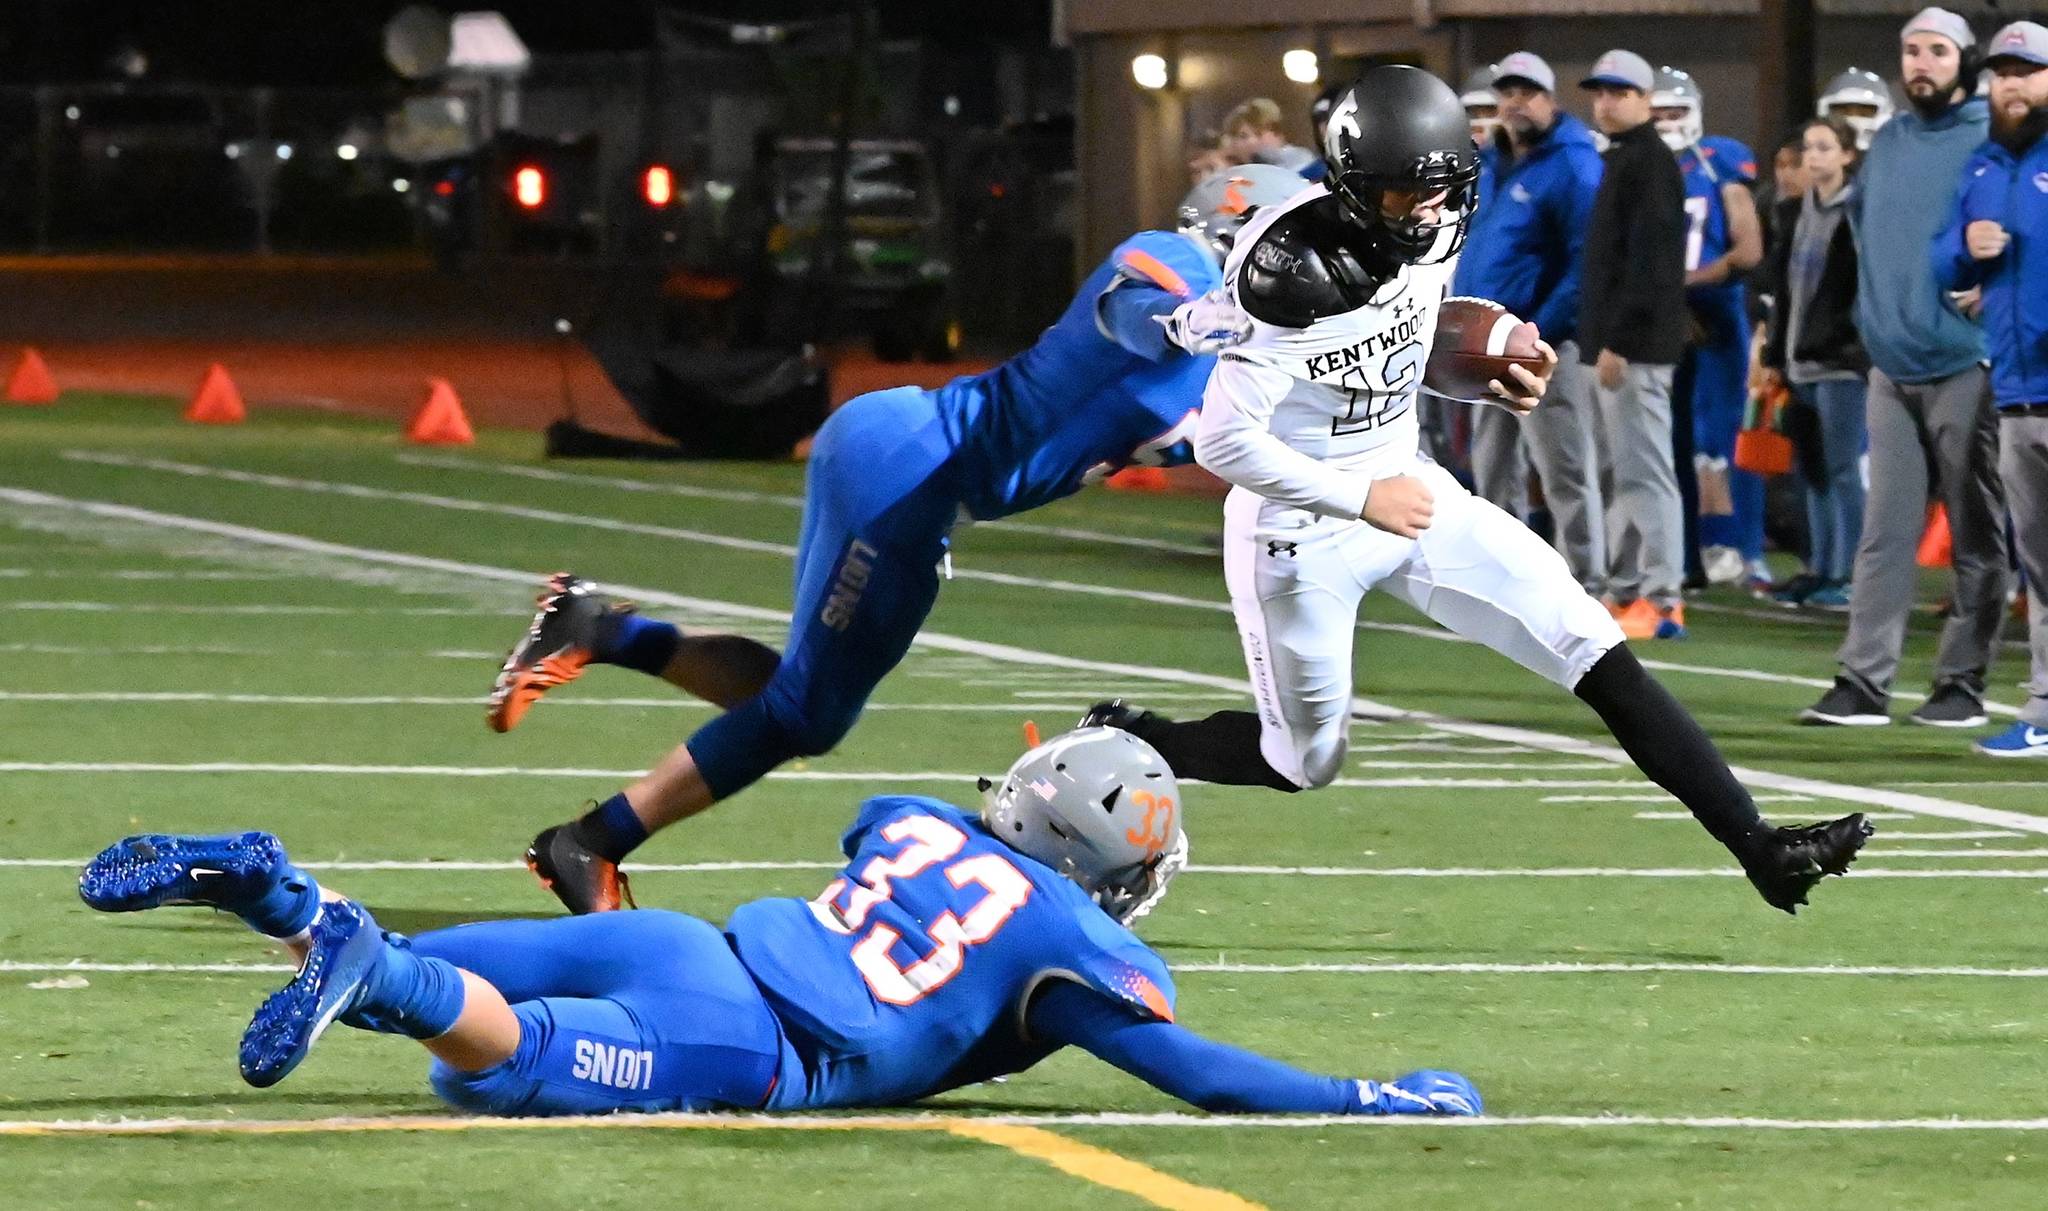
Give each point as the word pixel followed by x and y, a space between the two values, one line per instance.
pixel 33 967
pixel 1864 798
pixel 914 1121
pixel 592 521
pixel 741 496
pixel 1289 872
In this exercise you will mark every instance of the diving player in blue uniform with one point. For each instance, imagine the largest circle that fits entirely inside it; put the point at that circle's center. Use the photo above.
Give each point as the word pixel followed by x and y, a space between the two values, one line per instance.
pixel 1723 240
pixel 950 949
pixel 1116 381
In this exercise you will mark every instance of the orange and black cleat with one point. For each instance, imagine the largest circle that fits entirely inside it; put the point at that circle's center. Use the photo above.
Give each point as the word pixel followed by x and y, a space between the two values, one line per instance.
pixel 583 880
pixel 557 647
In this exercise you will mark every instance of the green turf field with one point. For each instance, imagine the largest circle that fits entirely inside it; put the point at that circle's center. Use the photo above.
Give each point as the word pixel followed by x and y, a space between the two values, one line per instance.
pixel 291 624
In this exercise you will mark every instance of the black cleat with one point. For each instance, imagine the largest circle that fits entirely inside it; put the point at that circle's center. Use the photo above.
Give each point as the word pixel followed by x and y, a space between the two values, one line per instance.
pixel 1791 860
pixel 1114 713
pixel 557 647
pixel 585 882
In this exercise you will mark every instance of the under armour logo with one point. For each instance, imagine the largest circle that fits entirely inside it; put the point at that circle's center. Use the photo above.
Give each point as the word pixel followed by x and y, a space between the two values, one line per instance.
pixel 1275 549
pixel 2041 181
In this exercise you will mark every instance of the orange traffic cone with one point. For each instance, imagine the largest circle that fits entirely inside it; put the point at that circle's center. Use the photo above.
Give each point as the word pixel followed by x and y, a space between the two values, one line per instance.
pixel 218 401
pixel 1936 544
pixel 440 421
pixel 31 382
pixel 1139 479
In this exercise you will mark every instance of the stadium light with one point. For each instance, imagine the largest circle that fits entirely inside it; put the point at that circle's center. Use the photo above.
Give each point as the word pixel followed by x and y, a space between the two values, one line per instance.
pixel 658 185
pixel 400 184
pixel 530 187
pixel 1149 71
pixel 284 151
pixel 1300 66
pixel 346 151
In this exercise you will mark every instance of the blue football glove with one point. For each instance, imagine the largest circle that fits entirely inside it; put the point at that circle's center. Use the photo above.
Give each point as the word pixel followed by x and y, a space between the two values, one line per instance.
pixel 1425 1092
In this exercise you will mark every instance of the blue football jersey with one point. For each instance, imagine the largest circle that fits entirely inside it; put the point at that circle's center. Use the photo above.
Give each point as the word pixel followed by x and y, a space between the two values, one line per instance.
pixel 909 974
pixel 1078 405
pixel 1713 164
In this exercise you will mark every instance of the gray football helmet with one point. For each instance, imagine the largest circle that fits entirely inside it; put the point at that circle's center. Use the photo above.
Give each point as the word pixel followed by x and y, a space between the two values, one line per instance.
pixel 1677 89
pixel 1861 99
pixel 1099 806
pixel 1214 210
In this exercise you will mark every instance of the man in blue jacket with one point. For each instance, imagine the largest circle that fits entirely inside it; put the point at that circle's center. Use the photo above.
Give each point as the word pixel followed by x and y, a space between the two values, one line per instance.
pixel 1997 241
pixel 1536 185
pixel 1933 434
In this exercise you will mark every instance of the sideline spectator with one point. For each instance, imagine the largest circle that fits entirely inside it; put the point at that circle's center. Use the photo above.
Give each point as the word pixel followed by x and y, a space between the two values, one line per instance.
pixel 1997 240
pixel 1632 326
pixel 1933 433
pixel 1206 161
pixel 1254 134
pixel 1537 179
pixel 1813 346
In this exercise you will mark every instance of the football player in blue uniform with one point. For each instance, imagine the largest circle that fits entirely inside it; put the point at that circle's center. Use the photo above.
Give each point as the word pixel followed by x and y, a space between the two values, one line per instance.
pixel 952 948
pixel 1116 381
pixel 1724 238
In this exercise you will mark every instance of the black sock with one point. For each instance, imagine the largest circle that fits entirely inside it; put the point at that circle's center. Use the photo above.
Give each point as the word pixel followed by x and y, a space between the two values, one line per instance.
pixel 1224 748
pixel 1671 747
pixel 610 829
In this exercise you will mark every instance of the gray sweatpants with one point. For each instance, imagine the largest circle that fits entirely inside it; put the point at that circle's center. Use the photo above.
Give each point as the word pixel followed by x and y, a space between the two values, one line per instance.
pixel 2023 464
pixel 1558 438
pixel 1645 521
pixel 1934 440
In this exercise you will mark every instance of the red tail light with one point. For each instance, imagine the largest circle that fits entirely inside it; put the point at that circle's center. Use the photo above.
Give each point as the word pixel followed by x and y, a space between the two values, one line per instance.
pixel 530 187
pixel 658 186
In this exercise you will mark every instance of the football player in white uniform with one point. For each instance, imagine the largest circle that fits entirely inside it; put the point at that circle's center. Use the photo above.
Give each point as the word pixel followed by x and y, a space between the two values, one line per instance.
pixel 1311 419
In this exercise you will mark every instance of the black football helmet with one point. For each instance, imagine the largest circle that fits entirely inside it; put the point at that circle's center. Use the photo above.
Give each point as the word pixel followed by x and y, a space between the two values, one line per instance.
pixel 1402 129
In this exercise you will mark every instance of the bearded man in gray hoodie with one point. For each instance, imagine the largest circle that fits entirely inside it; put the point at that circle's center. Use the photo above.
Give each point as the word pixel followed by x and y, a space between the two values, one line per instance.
pixel 1933 433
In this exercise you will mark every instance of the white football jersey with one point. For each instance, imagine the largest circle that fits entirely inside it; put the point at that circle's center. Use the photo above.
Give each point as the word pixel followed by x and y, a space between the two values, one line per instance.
pixel 1310 416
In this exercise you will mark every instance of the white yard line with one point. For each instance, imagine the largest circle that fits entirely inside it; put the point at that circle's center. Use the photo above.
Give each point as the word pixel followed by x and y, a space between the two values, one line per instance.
pixel 210 649
pixel 1661 797
pixel 258 608
pixel 591 521
pixel 910 1119
pixel 1877 849
pixel 137 574
pixel 1688 816
pixel 791 502
pixel 327 769
pixel 1862 797
pixel 28 967
pixel 1242 869
pixel 172 697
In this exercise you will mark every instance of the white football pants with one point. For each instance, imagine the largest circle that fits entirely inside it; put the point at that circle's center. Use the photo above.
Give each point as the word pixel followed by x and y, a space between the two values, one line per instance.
pixel 1296 579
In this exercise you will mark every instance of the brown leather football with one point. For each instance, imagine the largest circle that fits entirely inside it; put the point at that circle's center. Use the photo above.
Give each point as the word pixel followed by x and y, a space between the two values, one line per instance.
pixel 1476 341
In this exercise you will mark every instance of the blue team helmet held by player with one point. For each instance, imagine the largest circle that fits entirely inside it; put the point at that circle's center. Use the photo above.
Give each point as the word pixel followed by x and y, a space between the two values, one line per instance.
pixel 1099 806
pixel 1216 209
pixel 1677 90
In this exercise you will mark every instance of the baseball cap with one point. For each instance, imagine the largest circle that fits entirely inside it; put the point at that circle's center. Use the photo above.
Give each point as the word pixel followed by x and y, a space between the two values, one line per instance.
pixel 2022 40
pixel 1523 65
pixel 1621 69
pixel 1942 23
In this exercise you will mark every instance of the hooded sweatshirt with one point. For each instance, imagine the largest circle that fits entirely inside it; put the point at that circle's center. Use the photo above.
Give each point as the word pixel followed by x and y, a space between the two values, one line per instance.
pixel 1912 331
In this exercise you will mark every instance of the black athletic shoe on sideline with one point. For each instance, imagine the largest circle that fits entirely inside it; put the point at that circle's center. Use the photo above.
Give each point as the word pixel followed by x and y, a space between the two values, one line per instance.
pixel 1847 705
pixel 1114 713
pixel 557 647
pixel 1791 860
pixel 585 882
pixel 1951 706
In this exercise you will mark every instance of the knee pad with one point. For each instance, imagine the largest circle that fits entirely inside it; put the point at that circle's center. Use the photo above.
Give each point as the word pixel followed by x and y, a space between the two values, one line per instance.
pixel 806 730
pixel 501 1090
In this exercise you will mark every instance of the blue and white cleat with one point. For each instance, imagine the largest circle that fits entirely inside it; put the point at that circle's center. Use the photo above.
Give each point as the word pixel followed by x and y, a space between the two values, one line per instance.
pixel 149 871
pixel 2019 740
pixel 1425 1092
pixel 346 946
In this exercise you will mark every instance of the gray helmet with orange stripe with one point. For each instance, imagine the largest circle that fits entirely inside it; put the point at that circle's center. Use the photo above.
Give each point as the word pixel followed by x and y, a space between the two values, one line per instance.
pixel 1099 806
pixel 1214 210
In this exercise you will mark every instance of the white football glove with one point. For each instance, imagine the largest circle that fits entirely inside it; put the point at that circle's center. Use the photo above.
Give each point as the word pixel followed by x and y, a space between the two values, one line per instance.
pixel 1208 324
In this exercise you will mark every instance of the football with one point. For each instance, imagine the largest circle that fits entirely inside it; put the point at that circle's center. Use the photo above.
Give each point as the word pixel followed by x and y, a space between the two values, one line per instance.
pixel 1476 341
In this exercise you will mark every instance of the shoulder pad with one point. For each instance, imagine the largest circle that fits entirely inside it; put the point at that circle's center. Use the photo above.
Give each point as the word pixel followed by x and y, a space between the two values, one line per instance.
pixel 1310 264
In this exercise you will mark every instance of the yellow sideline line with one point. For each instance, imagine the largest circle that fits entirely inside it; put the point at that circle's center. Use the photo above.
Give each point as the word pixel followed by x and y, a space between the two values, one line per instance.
pixel 1103 1167
pixel 1085 1161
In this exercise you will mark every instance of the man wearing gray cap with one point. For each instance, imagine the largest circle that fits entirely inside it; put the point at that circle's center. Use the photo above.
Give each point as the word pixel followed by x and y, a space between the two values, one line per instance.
pixel 1997 241
pixel 1933 434
pixel 1537 178
pixel 1632 326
